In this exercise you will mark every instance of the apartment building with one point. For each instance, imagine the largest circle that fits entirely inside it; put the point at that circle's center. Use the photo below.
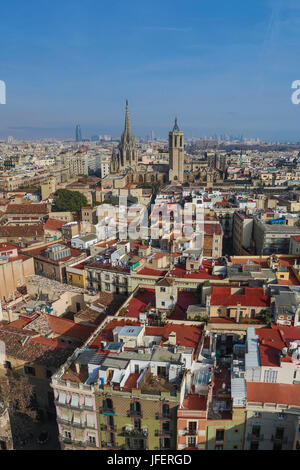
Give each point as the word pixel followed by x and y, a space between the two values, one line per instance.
pixel 130 375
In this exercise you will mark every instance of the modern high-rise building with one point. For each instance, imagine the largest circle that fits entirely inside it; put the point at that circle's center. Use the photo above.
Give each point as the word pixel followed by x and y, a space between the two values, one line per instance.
pixel 78 135
pixel 176 154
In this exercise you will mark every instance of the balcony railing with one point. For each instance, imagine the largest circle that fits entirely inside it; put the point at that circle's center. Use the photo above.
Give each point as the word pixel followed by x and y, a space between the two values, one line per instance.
pixel 283 440
pixel 107 427
pixel 163 432
pixel 254 437
pixel 107 410
pixel 162 416
pixel 190 432
pixel 135 432
pixel 136 413
pixel 67 440
pixel 111 445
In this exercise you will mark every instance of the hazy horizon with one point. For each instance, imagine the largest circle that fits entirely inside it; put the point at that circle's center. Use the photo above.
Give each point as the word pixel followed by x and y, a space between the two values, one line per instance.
pixel 221 68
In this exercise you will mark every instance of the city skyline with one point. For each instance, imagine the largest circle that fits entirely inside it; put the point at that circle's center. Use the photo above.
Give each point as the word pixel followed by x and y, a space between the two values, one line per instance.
pixel 220 69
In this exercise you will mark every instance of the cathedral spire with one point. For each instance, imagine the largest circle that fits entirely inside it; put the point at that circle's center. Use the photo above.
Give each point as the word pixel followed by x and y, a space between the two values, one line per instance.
pixel 127 129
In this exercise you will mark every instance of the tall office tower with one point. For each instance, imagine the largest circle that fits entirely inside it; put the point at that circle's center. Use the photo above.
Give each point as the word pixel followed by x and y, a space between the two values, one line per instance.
pixel 176 154
pixel 78 135
pixel 127 146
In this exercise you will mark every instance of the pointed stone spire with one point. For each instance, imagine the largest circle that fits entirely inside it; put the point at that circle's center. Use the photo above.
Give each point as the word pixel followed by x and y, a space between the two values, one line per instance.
pixel 175 128
pixel 127 129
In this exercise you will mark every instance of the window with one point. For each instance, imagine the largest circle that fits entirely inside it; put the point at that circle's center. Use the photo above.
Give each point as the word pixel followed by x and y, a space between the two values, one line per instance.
pixel 162 289
pixel 257 414
pixel 166 426
pixel 165 410
pixel 107 404
pixel 163 304
pixel 68 435
pixel 137 424
pixel 279 433
pixel 29 370
pixel 219 447
pixel 135 407
pixel 281 416
pixel 191 441
pixel 92 440
pixel 220 434
pixel 255 431
pixel 192 427
pixel 254 445
pixel 110 420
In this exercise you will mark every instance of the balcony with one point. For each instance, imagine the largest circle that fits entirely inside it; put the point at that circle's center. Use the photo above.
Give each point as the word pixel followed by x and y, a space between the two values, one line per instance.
pixel 66 440
pixel 283 440
pixel 163 433
pixel 68 405
pixel 131 432
pixel 71 422
pixel 107 411
pixel 254 437
pixel 162 416
pixel 190 432
pixel 134 413
pixel 111 445
pixel 107 427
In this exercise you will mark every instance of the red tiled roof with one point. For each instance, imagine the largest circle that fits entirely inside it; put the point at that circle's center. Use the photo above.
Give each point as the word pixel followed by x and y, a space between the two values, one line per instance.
pixel 21 231
pixel 186 335
pixel 252 296
pixel 273 340
pixel 53 224
pixel 151 272
pixel 284 394
pixel 203 273
pixel 65 327
pixel 194 402
pixel 138 303
pixel 27 209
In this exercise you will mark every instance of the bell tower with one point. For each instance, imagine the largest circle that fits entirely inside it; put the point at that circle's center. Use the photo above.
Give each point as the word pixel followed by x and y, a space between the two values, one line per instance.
pixel 176 154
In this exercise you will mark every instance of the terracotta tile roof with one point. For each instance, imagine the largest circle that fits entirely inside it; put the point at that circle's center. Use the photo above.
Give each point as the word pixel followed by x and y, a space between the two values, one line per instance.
pixel 284 394
pixel 151 272
pixel 21 231
pixel 53 224
pixel 27 209
pixel 64 327
pixel 188 336
pixel 31 349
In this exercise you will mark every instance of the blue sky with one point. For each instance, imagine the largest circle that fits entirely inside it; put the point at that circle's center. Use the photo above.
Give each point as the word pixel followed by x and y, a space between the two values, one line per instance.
pixel 221 67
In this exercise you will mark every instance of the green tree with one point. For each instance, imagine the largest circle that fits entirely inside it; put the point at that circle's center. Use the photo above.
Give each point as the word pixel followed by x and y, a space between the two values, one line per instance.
pixel 65 200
